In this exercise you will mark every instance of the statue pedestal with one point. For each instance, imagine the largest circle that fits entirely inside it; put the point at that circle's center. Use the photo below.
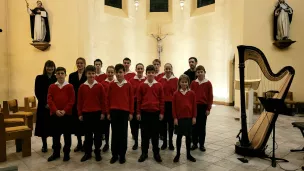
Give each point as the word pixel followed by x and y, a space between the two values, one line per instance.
pixel 250 85
pixel 282 44
pixel 41 45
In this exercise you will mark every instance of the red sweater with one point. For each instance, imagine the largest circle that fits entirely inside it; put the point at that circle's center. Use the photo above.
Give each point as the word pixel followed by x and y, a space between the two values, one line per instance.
pixel 203 92
pixel 61 99
pixel 159 76
pixel 150 99
pixel 120 98
pixel 105 85
pixel 91 99
pixel 129 76
pixel 135 84
pixel 100 77
pixel 169 86
pixel 184 106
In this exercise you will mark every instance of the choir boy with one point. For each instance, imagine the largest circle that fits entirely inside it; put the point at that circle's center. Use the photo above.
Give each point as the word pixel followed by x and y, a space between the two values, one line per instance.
pixel 150 111
pixel 128 73
pixel 204 99
pixel 157 65
pixel 91 109
pixel 100 76
pixel 120 101
pixel 61 98
pixel 106 122
pixel 136 81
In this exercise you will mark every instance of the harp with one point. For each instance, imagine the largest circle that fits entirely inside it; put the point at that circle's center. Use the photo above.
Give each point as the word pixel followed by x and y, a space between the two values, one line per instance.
pixel 253 142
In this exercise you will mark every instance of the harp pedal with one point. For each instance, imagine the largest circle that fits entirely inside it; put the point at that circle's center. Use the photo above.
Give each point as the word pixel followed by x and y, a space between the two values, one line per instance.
pixel 243 160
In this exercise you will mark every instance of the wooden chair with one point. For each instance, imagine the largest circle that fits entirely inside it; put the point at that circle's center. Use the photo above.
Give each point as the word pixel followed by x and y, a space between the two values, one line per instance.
pixel 30 105
pixel 11 111
pixel 257 106
pixel 21 133
pixel 11 122
pixel 289 100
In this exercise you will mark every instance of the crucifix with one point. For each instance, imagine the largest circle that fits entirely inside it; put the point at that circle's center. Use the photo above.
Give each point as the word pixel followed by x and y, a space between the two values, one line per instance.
pixel 159 37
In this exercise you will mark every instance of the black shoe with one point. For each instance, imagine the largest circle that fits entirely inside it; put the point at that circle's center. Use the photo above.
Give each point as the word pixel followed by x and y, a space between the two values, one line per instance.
pixel 135 146
pixel 203 148
pixel 105 148
pixel 98 157
pixel 142 158
pixel 171 147
pixel 44 149
pixel 78 148
pixel 157 158
pixel 163 147
pixel 190 158
pixel 113 160
pixel 86 157
pixel 194 147
pixel 53 157
pixel 66 157
pixel 122 160
pixel 176 159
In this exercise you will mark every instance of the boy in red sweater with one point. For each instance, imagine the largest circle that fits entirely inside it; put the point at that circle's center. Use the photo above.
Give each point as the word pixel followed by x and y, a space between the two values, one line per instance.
pixel 150 111
pixel 91 109
pixel 119 111
pixel 204 99
pixel 184 114
pixel 157 65
pixel 100 76
pixel 136 81
pixel 169 83
pixel 106 123
pixel 128 73
pixel 61 98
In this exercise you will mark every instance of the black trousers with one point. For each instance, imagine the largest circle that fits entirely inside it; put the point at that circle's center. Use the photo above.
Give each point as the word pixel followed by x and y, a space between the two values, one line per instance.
pixel 61 126
pixel 199 129
pixel 134 123
pixel 119 124
pixel 93 131
pixel 150 124
pixel 179 143
pixel 106 129
pixel 167 122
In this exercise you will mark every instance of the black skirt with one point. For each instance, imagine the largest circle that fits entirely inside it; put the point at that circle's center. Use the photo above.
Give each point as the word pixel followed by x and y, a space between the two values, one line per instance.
pixel 78 127
pixel 184 127
pixel 42 128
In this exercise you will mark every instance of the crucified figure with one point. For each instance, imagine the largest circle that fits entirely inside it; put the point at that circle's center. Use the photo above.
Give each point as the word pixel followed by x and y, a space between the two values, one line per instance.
pixel 159 43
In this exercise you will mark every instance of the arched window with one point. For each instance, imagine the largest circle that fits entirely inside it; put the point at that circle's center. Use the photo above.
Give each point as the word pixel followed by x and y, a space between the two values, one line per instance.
pixel 159 6
pixel 114 3
pixel 202 3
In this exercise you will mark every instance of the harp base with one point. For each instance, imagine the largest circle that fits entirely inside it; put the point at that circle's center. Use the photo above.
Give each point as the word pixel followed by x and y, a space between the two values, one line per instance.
pixel 248 151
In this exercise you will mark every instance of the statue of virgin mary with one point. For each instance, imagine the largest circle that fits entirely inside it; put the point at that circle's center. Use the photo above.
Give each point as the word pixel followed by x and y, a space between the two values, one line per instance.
pixel 40 30
pixel 282 19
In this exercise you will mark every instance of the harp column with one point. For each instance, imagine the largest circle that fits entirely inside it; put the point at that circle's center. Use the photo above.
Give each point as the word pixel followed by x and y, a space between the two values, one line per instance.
pixel 250 86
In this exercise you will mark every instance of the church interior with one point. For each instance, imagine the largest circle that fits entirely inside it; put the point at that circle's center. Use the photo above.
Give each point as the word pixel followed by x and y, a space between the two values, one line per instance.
pixel 252 58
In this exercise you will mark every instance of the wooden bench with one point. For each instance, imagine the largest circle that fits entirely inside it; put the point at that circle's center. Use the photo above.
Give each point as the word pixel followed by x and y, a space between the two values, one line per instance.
pixel 30 105
pixel 21 133
pixel 10 122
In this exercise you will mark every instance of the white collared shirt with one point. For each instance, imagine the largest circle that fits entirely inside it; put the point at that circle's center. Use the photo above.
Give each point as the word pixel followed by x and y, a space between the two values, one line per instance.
pixel 90 85
pixel 201 82
pixel 129 72
pixel 172 76
pixel 184 92
pixel 120 84
pixel 142 78
pixel 100 73
pixel 150 84
pixel 107 80
pixel 61 85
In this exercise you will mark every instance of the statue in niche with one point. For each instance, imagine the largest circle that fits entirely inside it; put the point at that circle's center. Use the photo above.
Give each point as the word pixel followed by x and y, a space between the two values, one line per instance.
pixel 283 14
pixel 40 30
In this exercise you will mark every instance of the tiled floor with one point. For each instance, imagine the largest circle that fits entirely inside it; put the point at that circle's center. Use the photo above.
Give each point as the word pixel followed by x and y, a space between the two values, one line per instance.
pixel 221 133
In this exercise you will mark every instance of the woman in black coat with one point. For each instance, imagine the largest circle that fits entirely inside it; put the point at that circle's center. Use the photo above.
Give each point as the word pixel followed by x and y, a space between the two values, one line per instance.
pixel 42 84
pixel 76 79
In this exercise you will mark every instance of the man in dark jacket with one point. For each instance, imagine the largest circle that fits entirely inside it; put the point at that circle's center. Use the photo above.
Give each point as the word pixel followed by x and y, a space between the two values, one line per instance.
pixel 191 71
